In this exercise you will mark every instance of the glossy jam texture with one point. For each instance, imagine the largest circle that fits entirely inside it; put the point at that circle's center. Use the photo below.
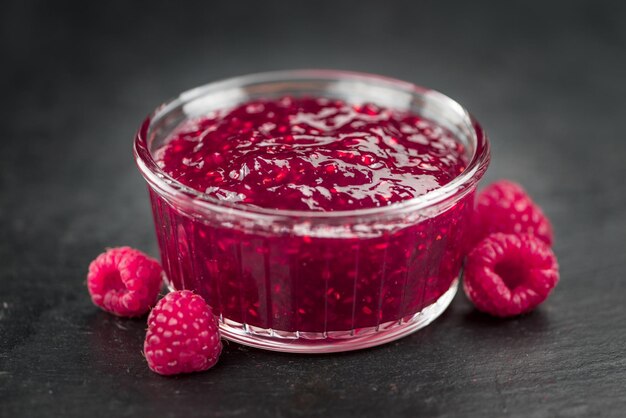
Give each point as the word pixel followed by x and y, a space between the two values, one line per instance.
pixel 312 154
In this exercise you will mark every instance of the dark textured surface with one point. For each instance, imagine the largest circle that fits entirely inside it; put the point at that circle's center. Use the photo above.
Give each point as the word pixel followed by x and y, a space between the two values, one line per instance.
pixel 546 79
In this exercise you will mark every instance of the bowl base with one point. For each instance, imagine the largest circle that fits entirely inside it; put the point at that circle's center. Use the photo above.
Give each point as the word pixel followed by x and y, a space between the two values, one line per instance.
pixel 336 341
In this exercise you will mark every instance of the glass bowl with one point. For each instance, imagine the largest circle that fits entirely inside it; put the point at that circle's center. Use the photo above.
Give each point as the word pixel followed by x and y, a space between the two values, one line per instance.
pixel 305 281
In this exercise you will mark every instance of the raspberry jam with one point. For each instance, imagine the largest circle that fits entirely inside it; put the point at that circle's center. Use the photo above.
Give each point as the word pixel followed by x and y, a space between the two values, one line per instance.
pixel 310 223
pixel 312 154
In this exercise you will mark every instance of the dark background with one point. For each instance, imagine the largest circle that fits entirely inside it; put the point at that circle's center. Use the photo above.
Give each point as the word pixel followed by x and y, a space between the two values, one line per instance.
pixel 546 79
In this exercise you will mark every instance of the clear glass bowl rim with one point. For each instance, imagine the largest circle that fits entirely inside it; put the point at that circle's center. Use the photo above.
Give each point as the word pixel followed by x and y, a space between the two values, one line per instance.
pixel 167 186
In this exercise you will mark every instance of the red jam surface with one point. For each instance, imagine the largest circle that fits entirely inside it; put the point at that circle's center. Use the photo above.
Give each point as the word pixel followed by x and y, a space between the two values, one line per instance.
pixel 313 154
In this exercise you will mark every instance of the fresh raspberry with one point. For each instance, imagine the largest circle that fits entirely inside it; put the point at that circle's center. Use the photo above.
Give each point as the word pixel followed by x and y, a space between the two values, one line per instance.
pixel 124 281
pixel 505 207
pixel 509 274
pixel 182 335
